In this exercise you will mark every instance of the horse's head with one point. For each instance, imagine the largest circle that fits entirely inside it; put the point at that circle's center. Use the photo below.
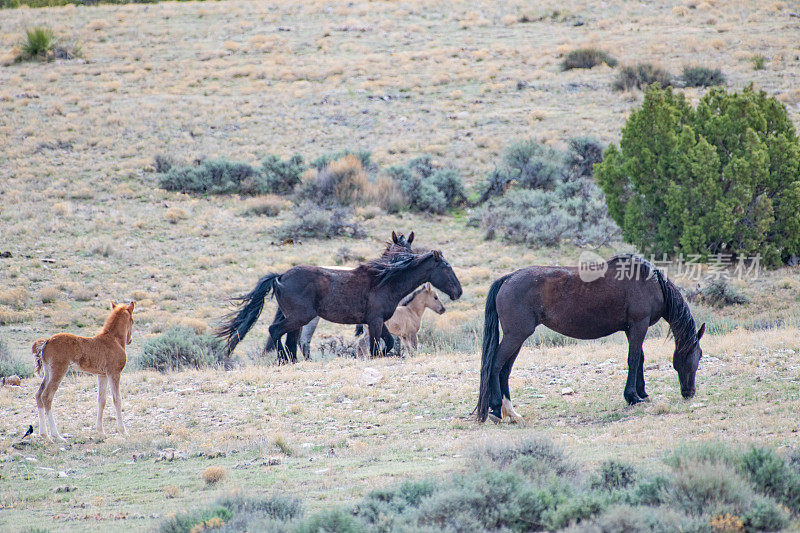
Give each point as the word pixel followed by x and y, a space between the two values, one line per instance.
pixel 443 277
pixel 432 300
pixel 399 241
pixel 124 313
pixel 686 364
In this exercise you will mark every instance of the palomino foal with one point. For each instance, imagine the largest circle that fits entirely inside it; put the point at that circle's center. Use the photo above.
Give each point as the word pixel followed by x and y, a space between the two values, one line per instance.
pixel 407 318
pixel 103 354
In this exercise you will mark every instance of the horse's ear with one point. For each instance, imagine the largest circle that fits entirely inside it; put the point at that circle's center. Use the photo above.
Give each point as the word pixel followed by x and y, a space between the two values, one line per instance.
pixel 394 237
pixel 131 306
pixel 428 286
pixel 437 255
pixel 701 331
pixel 410 238
pixel 113 305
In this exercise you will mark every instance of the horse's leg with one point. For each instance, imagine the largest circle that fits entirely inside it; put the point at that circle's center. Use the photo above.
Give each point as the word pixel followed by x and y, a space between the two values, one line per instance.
pixel 305 338
pixel 54 377
pixel 388 340
pixel 376 328
pixel 506 352
pixel 115 395
pixel 284 325
pixel 506 407
pixel 640 380
pixel 635 333
pixel 40 402
pixel 291 344
pixel 102 388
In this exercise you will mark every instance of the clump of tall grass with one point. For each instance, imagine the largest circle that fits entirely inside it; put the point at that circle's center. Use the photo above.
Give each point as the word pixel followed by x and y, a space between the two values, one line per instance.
pixel 587 58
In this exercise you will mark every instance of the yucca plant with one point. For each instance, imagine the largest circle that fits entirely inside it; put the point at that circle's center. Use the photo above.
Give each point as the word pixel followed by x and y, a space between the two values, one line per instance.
pixel 39 41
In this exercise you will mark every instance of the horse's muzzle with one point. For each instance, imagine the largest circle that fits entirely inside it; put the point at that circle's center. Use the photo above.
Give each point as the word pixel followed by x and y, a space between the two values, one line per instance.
pixel 687 394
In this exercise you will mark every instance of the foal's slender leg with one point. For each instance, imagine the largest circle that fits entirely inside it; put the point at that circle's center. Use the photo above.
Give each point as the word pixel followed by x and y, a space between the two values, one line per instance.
pixel 305 337
pixel 40 403
pixel 54 377
pixel 102 388
pixel 635 333
pixel 115 395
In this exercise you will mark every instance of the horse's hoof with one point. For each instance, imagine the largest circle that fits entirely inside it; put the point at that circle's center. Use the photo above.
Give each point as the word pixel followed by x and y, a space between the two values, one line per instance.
pixel 494 418
pixel 634 400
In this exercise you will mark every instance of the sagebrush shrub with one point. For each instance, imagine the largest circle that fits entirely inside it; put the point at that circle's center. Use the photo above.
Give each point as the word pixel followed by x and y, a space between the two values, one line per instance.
pixel 281 177
pixel 614 475
pixel 723 177
pixel 10 365
pixel 640 76
pixel 702 77
pixel 181 347
pixel 308 220
pixel 427 187
pixel 719 293
pixel 572 211
pixel 587 58
pixel 364 157
pixel 214 176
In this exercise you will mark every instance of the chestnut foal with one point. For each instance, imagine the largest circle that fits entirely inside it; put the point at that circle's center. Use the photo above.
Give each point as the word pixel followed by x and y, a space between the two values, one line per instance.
pixel 103 354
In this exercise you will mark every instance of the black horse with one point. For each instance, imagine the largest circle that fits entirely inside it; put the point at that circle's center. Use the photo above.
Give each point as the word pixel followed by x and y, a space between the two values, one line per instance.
pixel 368 294
pixel 394 250
pixel 627 294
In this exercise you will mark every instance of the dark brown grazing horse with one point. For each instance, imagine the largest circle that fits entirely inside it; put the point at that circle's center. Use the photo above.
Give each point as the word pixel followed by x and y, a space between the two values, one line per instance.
pixel 368 294
pixel 395 249
pixel 628 295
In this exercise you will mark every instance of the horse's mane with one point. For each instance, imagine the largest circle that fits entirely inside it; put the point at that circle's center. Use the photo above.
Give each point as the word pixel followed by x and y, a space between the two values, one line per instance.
pixel 387 270
pixel 407 300
pixel 112 318
pixel 676 310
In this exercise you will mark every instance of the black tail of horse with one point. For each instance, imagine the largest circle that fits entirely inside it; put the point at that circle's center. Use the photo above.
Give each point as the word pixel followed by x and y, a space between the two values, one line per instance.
pixel 491 342
pixel 239 322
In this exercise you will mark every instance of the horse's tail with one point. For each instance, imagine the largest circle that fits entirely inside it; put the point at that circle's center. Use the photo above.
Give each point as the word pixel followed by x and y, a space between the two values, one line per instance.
pixel 491 342
pixel 270 341
pixel 38 354
pixel 359 330
pixel 238 323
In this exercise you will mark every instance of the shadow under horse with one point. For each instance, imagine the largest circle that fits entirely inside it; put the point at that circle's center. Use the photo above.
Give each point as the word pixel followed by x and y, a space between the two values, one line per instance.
pixel 368 294
pixel 624 294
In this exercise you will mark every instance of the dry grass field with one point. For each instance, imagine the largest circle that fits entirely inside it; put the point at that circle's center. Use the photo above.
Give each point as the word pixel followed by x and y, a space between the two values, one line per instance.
pixel 85 223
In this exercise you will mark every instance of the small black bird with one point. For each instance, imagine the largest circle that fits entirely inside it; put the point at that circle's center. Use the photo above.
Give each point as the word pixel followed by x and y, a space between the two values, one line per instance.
pixel 29 432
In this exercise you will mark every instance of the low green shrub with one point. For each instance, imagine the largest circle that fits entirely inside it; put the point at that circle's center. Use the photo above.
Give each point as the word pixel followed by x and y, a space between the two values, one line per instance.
pixel 281 177
pixel 759 62
pixel 181 347
pixel 189 522
pixel 427 187
pixel 614 475
pixel 702 77
pixel 364 156
pixel 719 293
pixel 11 366
pixel 773 476
pixel 310 221
pixel 531 485
pixel 587 58
pixel 640 76
pixel 39 41
pixel 214 176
